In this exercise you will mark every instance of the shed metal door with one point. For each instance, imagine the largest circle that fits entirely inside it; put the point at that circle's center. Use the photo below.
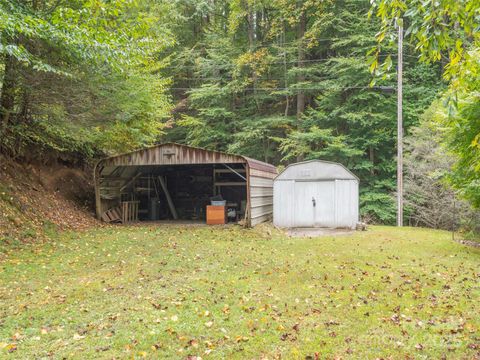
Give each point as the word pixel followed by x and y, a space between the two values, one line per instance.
pixel 314 203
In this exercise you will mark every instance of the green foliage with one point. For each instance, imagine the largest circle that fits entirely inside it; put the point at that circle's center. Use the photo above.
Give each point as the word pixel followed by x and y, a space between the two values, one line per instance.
pixel 258 136
pixel 48 135
pixel 132 113
pixel 447 31
pixel 82 77
pixel 461 129
pixel 376 205
pixel 237 80
pixel 279 80
pixel 436 28
pixel 354 124
pixel 430 198
pixel 114 32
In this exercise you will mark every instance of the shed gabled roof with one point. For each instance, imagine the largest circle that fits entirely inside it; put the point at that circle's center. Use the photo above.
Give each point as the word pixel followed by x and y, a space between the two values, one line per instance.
pixel 316 170
pixel 179 154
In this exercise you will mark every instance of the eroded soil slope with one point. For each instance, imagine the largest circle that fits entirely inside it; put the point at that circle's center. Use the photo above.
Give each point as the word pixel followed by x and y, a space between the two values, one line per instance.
pixel 37 199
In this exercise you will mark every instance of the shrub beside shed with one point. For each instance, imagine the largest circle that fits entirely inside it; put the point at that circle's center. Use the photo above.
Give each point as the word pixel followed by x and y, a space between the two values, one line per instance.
pixel 316 193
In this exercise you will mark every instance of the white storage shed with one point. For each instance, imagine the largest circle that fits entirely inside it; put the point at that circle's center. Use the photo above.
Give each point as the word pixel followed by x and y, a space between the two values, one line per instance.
pixel 316 193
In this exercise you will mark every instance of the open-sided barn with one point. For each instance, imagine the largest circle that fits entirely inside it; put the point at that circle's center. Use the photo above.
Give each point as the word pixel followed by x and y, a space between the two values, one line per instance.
pixel 173 181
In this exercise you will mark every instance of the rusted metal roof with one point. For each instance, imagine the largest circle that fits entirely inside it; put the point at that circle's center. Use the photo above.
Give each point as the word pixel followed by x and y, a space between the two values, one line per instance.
pixel 260 165
pixel 178 154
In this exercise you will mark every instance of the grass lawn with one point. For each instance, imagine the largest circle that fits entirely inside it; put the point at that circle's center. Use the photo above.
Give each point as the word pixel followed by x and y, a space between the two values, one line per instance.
pixel 175 292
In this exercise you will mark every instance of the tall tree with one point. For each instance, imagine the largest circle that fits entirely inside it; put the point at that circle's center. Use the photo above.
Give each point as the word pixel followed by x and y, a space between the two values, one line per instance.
pixel 301 90
pixel 59 59
pixel 430 199
pixel 301 29
pixel 446 31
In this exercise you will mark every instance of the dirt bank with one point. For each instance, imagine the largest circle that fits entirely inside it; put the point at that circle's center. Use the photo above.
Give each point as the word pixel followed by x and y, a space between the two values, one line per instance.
pixel 37 198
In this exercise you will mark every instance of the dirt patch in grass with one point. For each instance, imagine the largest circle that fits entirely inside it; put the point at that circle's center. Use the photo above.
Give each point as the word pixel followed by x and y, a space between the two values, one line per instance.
pixel 318 232
pixel 470 243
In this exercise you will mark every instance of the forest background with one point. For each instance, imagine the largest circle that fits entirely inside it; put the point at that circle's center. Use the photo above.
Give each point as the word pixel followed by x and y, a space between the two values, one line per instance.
pixel 279 80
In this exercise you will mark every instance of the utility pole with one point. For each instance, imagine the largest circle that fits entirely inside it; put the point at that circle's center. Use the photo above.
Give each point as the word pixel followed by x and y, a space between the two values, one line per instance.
pixel 400 126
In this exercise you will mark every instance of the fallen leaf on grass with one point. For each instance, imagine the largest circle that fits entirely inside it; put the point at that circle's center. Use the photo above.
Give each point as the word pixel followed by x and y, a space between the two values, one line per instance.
pixel 9 347
pixel 78 337
pixel 171 331
pixel 331 323
pixel 157 306
pixel 241 339
pixel 102 348
pixel 193 343
pixel 155 347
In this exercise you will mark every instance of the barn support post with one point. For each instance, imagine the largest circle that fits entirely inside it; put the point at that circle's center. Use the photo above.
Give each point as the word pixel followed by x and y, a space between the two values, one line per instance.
pixel 96 184
pixel 248 215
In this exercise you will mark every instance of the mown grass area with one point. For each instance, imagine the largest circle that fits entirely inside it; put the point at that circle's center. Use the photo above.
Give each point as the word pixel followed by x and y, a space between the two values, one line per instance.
pixel 174 292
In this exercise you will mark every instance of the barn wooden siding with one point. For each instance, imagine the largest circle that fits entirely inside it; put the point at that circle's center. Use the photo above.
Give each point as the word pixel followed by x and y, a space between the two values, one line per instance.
pixel 260 175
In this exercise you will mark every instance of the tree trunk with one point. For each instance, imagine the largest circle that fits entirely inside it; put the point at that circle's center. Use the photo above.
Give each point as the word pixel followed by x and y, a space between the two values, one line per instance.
pixel 258 25
pixel 251 27
pixel 372 160
pixel 301 63
pixel 302 24
pixel 285 71
pixel 251 42
pixel 7 99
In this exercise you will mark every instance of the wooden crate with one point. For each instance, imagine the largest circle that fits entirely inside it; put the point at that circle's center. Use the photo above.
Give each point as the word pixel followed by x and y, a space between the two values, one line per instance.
pixel 216 215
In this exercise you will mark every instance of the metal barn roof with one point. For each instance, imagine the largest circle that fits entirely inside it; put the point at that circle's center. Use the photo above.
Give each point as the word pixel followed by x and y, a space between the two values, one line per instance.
pixel 178 154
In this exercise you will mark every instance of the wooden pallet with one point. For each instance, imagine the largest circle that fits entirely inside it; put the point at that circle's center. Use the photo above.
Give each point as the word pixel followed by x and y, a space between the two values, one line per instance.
pixel 112 215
